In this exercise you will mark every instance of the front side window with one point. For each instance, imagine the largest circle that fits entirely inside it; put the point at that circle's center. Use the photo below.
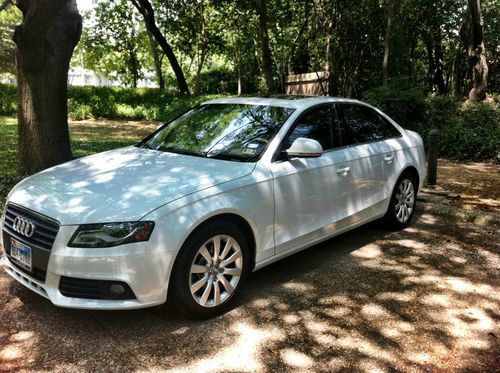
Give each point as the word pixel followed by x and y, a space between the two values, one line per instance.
pixel 322 125
pixel 366 125
pixel 226 131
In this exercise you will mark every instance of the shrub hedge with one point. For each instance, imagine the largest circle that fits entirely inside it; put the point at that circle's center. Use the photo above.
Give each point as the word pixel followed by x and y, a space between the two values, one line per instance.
pixel 113 103
pixel 467 131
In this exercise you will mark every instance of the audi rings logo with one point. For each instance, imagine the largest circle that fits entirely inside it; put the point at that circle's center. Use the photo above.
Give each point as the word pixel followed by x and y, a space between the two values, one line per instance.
pixel 24 226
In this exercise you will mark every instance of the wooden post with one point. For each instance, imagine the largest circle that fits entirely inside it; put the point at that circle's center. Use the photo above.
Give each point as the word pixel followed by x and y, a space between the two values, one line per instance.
pixel 432 156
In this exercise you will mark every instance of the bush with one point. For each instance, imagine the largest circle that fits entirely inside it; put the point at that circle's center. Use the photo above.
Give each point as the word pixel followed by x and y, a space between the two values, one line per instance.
pixel 8 100
pixel 113 103
pixel 470 132
pixel 220 80
pixel 128 103
pixel 401 100
pixel 467 131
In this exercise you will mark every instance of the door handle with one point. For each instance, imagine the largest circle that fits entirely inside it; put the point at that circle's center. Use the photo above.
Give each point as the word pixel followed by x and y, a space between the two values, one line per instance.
pixel 388 158
pixel 343 171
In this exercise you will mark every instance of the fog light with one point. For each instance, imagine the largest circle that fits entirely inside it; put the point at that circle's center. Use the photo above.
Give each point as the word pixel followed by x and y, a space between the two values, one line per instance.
pixel 116 289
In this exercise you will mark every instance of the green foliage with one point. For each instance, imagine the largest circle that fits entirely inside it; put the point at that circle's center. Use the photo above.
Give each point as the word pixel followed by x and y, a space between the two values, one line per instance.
pixel 8 19
pixel 8 154
pixel 402 100
pixel 220 80
pixel 467 132
pixel 127 103
pixel 8 100
pixel 114 103
pixel 116 45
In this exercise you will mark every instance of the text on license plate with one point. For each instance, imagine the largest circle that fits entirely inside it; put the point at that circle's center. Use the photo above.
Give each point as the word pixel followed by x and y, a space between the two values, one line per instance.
pixel 21 253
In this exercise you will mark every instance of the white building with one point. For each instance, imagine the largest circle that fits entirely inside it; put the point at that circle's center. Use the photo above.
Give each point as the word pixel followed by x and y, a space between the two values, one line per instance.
pixel 81 76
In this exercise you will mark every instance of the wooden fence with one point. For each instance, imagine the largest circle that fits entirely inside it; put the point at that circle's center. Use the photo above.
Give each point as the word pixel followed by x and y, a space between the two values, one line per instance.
pixel 307 84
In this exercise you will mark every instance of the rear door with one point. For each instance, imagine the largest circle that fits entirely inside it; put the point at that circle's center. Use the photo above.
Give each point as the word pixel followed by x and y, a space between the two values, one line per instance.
pixel 311 193
pixel 371 157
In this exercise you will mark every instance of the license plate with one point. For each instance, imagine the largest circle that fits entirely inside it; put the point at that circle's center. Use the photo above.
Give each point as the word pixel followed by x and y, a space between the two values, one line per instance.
pixel 21 253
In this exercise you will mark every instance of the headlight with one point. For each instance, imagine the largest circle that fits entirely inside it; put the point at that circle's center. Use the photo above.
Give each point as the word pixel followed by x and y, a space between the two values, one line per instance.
pixel 111 234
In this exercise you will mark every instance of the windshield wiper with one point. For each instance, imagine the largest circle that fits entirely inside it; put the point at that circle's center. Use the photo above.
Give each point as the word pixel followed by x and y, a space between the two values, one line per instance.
pixel 170 149
pixel 147 146
pixel 226 157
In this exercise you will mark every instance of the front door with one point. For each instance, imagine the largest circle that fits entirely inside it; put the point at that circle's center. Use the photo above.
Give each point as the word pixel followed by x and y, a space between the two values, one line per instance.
pixel 311 193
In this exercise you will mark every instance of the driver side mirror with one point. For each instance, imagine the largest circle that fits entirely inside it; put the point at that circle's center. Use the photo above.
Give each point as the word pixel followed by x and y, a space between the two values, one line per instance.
pixel 304 148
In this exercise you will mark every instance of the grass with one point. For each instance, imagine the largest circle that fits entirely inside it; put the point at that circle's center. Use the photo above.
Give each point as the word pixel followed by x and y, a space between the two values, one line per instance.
pixel 87 137
pixel 9 174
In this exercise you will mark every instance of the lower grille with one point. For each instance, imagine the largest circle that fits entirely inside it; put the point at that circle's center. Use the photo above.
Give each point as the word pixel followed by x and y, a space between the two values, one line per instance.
pixel 36 273
pixel 94 289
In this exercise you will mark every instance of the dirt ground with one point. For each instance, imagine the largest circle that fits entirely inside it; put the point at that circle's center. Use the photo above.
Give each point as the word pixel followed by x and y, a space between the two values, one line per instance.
pixel 111 129
pixel 422 299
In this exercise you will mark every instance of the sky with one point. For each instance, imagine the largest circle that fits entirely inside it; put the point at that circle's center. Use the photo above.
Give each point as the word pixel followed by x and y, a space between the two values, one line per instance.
pixel 84 4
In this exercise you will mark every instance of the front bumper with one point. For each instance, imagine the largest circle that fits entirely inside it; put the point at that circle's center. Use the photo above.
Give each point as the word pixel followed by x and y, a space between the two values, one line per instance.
pixel 142 267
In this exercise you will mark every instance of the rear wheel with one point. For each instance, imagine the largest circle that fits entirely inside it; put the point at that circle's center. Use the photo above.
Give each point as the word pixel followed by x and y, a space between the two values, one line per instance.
pixel 210 270
pixel 402 204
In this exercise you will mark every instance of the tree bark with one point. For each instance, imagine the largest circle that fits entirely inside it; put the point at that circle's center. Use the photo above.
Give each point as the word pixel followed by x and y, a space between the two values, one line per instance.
pixel 45 42
pixel 146 9
pixel 133 64
pixel 430 62
pixel 201 62
pixel 457 74
pixel 201 48
pixel 473 41
pixel 387 43
pixel 438 78
pixel 157 62
pixel 267 59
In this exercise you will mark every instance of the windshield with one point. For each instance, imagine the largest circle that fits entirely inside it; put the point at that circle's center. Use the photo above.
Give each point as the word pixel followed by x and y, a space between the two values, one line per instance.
pixel 237 132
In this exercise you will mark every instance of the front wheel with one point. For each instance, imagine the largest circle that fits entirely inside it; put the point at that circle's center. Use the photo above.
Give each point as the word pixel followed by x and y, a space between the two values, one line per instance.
pixel 209 270
pixel 402 204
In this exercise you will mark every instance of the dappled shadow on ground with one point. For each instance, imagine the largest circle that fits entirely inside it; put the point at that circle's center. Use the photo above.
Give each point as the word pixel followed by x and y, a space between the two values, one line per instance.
pixel 424 298
pixel 117 130
pixel 475 183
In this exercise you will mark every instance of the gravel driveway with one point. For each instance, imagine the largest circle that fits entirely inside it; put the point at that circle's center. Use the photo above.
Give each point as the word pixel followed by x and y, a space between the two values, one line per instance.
pixel 423 299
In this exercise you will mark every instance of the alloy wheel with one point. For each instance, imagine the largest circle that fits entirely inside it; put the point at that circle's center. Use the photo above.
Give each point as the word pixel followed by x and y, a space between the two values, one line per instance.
pixel 405 200
pixel 216 271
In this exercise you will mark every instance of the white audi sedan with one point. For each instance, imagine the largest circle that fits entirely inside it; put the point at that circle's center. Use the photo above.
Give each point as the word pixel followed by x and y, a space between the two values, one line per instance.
pixel 225 189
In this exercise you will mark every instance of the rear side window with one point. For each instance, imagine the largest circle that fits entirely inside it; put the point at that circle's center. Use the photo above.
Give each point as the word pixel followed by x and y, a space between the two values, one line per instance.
pixel 321 124
pixel 366 125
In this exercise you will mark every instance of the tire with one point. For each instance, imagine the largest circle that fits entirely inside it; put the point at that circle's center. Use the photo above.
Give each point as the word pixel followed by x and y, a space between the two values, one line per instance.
pixel 403 202
pixel 204 284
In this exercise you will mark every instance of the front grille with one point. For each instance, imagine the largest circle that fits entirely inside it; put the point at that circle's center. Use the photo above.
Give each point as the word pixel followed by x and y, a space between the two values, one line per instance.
pixel 40 242
pixel 93 289
pixel 45 231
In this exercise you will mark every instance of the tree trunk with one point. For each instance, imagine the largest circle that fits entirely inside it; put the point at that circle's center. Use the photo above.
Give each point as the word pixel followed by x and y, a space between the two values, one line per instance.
pixel 146 9
pixel 240 85
pixel 201 47
pixel 157 62
pixel 438 72
pixel 201 62
pixel 133 65
pixel 387 43
pixel 45 42
pixel 473 41
pixel 267 59
pixel 457 75
pixel 430 62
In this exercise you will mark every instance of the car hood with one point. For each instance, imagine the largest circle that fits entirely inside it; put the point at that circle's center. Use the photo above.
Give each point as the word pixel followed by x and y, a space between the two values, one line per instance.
pixel 120 185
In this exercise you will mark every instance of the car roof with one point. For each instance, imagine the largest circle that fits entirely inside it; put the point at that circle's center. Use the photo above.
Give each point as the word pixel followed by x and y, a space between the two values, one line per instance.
pixel 292 101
